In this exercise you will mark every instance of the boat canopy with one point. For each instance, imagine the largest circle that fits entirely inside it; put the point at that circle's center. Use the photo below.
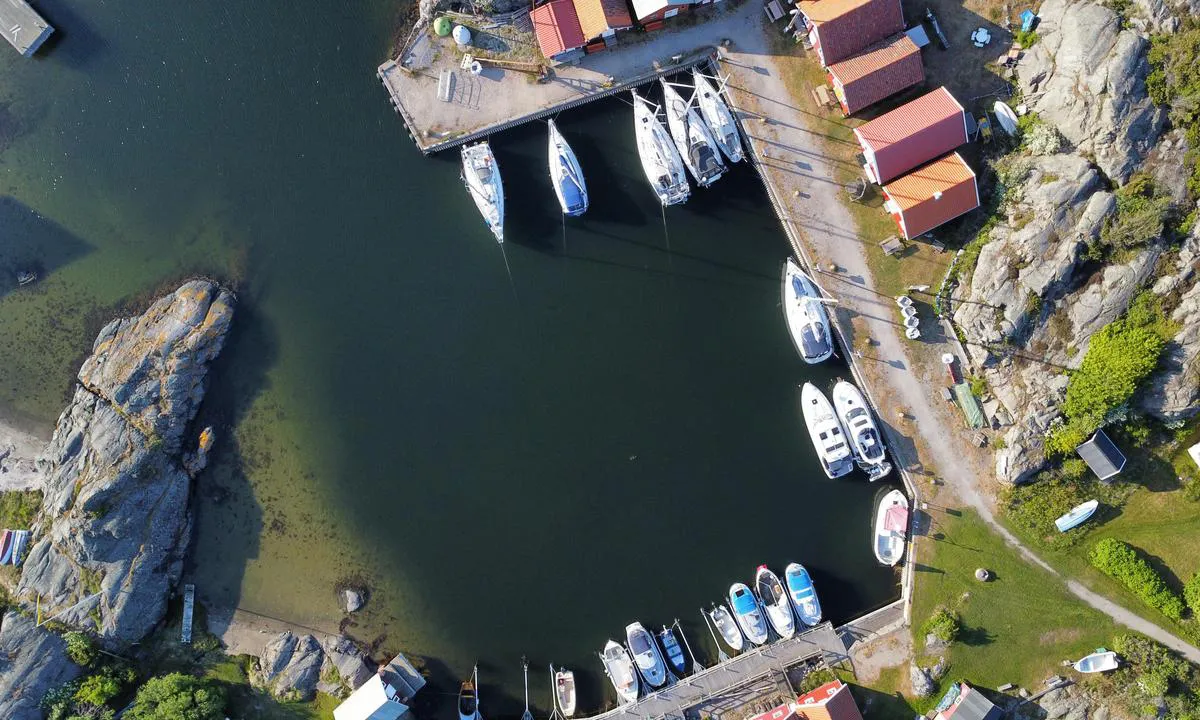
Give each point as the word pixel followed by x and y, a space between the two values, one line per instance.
pixel 570 187
pixel 743 602
pixel 639 642
pixel 896 520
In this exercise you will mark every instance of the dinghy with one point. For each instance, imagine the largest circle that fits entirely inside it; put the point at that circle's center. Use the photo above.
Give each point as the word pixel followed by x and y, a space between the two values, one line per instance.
pixel 775 601
pixel 717 116
pixel 660 159
pixel 468 697
pixel 805 315
pixel 1099 661
pixel 747 613
pixel 673 651
pixel 727 627
pixel 891 528
pixel 692 138
pixel 825 432
pixel 619 668
pixel 803 594
pixel 1078 515
pixel 646 655
pixel 1005 117
pixel 6 546
pixel 481 175
pixel 566 175
pixel 860 428
pixel 564 690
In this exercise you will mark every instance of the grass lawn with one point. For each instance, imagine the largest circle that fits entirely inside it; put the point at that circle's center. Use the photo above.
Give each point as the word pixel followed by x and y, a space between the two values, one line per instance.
pixel 18 508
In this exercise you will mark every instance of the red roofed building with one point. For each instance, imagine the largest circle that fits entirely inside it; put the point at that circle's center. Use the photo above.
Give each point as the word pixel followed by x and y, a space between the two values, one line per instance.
pixel 557 28
pixel 881 70
pixel 912 135
pixel 601 19
pixel 931 195
pixel 651 13
pixel 831 701
pixel 839 29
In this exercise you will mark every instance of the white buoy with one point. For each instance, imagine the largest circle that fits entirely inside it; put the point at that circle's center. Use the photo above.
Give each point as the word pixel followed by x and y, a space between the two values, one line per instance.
pixel 461 35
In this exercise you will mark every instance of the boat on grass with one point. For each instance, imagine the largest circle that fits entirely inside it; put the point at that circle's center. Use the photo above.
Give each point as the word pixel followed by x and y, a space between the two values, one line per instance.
pixel 1100 661
pixel 618 666
pixel 803 594
pixel 891 527
pixel 774 600
pixel 6 546
pixel 646 655
pixel 673 651
pixel 727 627
pixel 566 175
pixel 481 175
pixel 692 138
pixel 747 613
pixel 468 697
pixel 717 116
pixel 1005 117
pixel 564 690
pixel 20 539
pixel 825 432
pixel 859 426
pixel 1077 516
pixel 660 158
pixel 805 315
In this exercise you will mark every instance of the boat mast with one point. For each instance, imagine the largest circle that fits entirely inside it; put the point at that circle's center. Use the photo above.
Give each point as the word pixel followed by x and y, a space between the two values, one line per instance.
pixel 696 666
pixel 553 695
pixel 525 669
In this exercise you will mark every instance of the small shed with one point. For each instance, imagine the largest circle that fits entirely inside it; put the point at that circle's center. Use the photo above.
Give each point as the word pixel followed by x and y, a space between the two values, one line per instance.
pixel 931 195
pixel 374 700
pixel 601 19
pixel 557 28
pixel 912 135
pixel 879 71
pixel 963 702
pixel 1102 456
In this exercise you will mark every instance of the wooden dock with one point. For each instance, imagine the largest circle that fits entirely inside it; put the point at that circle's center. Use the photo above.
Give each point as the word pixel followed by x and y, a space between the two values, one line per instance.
pixel 750 666
pixel 22 26
pixel 189 607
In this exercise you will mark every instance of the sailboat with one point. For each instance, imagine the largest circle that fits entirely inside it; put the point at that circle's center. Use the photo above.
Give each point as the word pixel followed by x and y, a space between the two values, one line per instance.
pixel 692 137
pixel 891 527
pixel 564 690
pixel 860 428
pixel 660 159
pixel 618 666
pixel 803 593
pixel 747 613
pixel 566 175
pixel 825 432
pixel 727 627
pixel 481 175
pixel 805 315
pixel 775 601
pixel 717 116
pixel 468 697
pixel 525 670
pixel 645 653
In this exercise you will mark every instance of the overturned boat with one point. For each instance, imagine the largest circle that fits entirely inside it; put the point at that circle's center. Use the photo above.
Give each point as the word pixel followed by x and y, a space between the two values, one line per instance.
pixel 859 426
pixel 804 312
pixel 692 138
pixel 481 175
pixel 566 175
pixel 1077 516
pixel 660 158
pixel 825 432
pixel 717 116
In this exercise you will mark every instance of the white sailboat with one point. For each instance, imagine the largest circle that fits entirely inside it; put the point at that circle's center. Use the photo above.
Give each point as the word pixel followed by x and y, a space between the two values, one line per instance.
pixel 660 159
pixel 891 528
pixel 566 175
pixel 619 668
pixel 481 175
pixel 692 138
pixel 717 116
pixel 805 315
pixel 859 426
pixel 825 431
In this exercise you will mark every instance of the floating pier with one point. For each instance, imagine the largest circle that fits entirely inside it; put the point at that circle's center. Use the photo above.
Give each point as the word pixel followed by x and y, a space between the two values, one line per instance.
pixel 23 28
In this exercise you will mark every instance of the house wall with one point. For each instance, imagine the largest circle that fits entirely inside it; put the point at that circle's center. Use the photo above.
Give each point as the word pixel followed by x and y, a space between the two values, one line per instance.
pixel 663 13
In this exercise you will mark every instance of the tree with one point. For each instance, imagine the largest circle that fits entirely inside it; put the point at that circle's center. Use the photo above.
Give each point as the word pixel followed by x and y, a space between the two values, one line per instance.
pixel 178 697
pixel 1191 593
pixel 98 689
pixel 81 649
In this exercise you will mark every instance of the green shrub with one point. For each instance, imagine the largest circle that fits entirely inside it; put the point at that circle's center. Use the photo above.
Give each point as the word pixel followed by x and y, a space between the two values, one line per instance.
pixel 178 697
pixel 81 648
pixel 98 689
pixel 1027 38
pixel 943 625
pixel 1191 594
pixel 1140 217
pixel 1033 507
pixel 1158 671
pixel 1121 562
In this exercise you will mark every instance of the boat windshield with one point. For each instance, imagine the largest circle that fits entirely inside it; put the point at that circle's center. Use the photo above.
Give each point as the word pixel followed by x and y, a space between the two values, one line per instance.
pixel 812 340
pixel 639 643
pixel 742 602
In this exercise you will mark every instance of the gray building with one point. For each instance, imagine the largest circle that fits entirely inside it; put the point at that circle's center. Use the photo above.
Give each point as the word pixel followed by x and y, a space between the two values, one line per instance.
pixel 1102 456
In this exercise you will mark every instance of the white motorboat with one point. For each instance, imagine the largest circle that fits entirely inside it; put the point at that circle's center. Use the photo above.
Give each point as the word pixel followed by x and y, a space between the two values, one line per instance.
pixel 1077 516
pixel 805 315
pixel 825 431
pixel 717 116
pixel 481 175
pixel 747 613
pixel 891 527
pixel 566 175
pixel 564 690
pixel 660 160
pixel 692 137
pixel 803 593
pixel 1099 661
pixel 468 697
pixel 646 656
pixel 774 600
pixel 619 668
pixel 727 627
pixel 859 425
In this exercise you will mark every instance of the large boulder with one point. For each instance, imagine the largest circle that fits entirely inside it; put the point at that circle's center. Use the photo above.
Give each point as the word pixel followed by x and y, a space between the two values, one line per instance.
pixel 115 523
pixel 1173 393
pixel 32 661
pixel 1086 76
pixel 296 666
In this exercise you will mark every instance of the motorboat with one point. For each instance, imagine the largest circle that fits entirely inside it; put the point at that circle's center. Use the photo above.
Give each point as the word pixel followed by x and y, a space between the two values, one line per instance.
pixel 859 425
pixel 727 627
pixel 692 138
pixel 774 600
pixel 672 650
pixel 646 655
pixel 825 431
pixel 891 527
pixel 564 690
pixel 1100 661
pixel 20 539
pixel 803 594
pixel 6 546
pixel 660 159
pixel 619 668
pixel 717 116
pixel 1077 516
pixel 468 697
pixel 566 175
pixel 747 613
pixel 481 175
pixel 805 314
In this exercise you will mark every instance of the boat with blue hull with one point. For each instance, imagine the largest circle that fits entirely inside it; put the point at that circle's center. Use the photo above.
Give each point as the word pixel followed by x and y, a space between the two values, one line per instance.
pixel 748 614
pixel 646 656
pixel 567 176
pixel 803 594
pixel 673 651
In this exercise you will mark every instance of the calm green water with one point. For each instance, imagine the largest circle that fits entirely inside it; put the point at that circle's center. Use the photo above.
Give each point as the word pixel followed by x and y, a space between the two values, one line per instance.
pixel 514 468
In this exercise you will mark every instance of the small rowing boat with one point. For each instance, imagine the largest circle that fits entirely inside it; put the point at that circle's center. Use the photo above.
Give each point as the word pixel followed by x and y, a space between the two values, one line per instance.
pixel 481 175
pixel 468 697
pixel 564 690
pixel 6 546
pixel 1100 661
pixel 1077 516
pixel 20 539
pixel 891 527
pixel 672 650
